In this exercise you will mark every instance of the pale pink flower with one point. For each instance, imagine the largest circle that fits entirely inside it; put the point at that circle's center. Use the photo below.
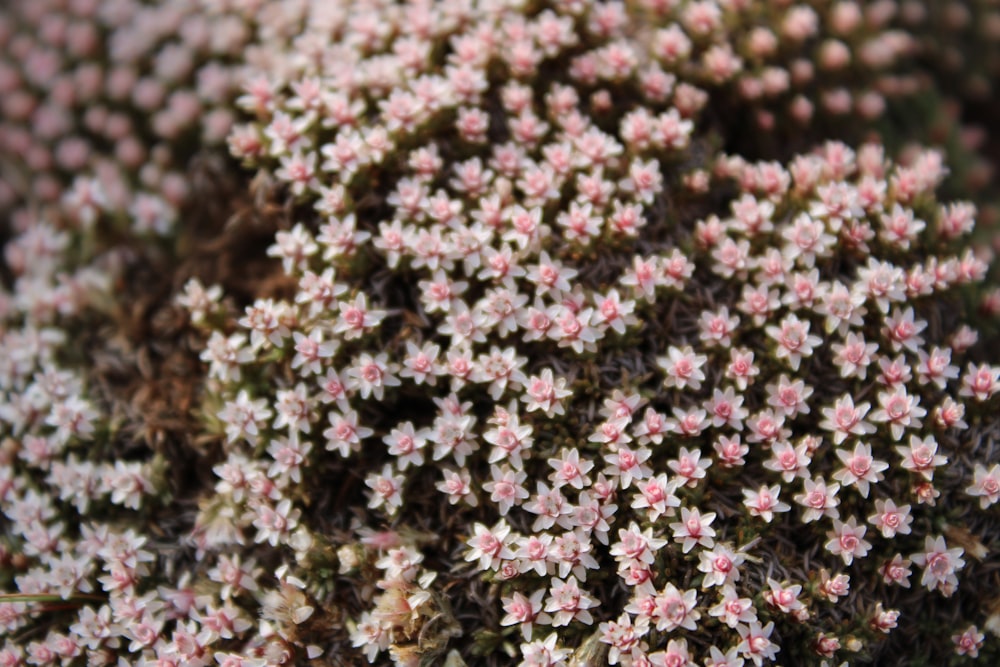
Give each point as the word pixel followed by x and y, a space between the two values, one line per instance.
pixel 694 528
pixel 370 376
pixel 718 327
pixel 571 551
pixel 842 309
pixel 421 363
pixel 689 423
pixel 243 417
pixel 921 457
pixel 793 339
pixel 969 642
pixel 899 410
pixel 783 598
pixel 621 405
pixel 544 392
pixel 789 397
pixel 767 427
pixel 882 282
pixel 345 433
pixel 834 587
pixel 949 414
pixel 790 460
pixel 573 329
pixel 764 502
pixel 689 466
pixel 985 484
pixel 294 247
pixel 853 356
pixel 611 311
pixel 903 331
pixel 726 408
pixel 940 565
pixel 847 540
pixel 751 217
pixel 732 609
pixel 936 367
pixel 730 451
pixel 312 352
pixel 759 302
pixel 721 565
pixel 550 275
pixel 682 367
pixel 676 653
pixel 884 620
pixel 274 524
pixel 570 469
pixel 845 419
pixel 551 507
pixel 897 571
pixel 457 485
pixel 755 641
pixel 543 653
pixel 890 519
pixel 627 464
pixel 490 546
pixel 900 228
pixel 532 554
pixel 501 368
pixel 652 428
pixel 594 510
pixel 624 638
pixel 569 603
pixel 980 382
pixel 819 499
pixel 579 222
pixel 644 180
pixel 731 258
pixel 355 318
pixel 860 468
pixel 656 495
pixel 894 373
pixel 524 611
pixel 506 487
pixel 741 368
pixel 717 658
pixel 509 440
pixel 635 545
pixel 386 489
pixel 644 276
pixel 675 609
pixel 806 239
pixel 440 292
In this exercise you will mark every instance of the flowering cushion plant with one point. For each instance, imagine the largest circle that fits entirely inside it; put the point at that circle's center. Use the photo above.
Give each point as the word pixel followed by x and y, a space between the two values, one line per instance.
pixel 545 377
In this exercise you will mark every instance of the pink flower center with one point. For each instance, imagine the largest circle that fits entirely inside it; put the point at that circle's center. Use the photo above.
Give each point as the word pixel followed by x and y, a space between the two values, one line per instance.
pixel 897 408
pixel 354 317
pixel 816 499
pixel 922 456
pixel 939 564
pixel 653 494
pixel 860 465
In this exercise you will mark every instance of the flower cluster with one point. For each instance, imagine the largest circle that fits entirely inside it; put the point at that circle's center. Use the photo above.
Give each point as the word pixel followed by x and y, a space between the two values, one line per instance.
pixel 537 373
pixel 105 102
pixel 529 211
pixel 789 63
